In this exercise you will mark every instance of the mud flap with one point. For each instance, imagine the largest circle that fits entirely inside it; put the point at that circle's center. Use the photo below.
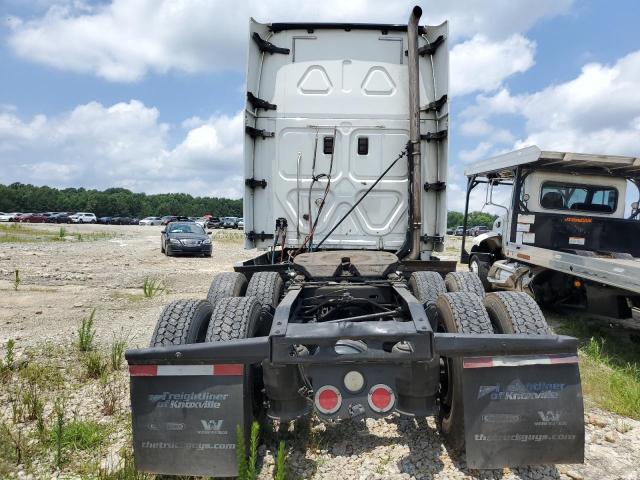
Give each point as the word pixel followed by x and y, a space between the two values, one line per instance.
pixel 184 418
pixel 523 410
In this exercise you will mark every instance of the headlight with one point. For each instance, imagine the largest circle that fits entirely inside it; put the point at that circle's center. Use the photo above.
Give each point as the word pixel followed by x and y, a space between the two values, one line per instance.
pixel 175 241
pixel 206 242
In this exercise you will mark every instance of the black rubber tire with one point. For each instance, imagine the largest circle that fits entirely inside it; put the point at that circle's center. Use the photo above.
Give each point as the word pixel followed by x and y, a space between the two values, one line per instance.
pixel 226 284
pixel 426 286
pixel 235 318
pixel 515 312
pixel 162 249
pixel 267 287
pixel 458 312
pixel 182 322
pixel 464 282
pixel 482 271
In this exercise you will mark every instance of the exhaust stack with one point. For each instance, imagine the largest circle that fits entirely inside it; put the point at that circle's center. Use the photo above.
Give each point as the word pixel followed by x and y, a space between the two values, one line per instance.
pixel 415 163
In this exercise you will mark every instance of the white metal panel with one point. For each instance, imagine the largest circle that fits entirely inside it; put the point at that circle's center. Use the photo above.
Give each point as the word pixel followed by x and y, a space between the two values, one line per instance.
pixel 347 84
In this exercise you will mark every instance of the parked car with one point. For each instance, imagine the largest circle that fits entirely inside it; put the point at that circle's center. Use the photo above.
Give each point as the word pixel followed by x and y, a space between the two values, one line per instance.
pixel 151 221
pixel 34 218
pixel 479 230
pixel 450 231
pixel 120 221
pixel 184 237
pixel 135 221
pixel 9 217
pixel 230 222
pixel 56 217
pixel 19 217
pixel 104 220
pixel 168 218
pixel 214 222
pixel 201 221
pixel 240 224
pixel 84 217
pixel 460 231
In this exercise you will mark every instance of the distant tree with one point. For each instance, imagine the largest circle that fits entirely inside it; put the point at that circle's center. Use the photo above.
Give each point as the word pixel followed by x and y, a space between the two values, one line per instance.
pixel 455 219
pixel 19 197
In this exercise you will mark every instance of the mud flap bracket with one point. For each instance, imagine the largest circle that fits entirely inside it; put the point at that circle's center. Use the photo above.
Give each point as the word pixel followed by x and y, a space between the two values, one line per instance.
pixel 522 410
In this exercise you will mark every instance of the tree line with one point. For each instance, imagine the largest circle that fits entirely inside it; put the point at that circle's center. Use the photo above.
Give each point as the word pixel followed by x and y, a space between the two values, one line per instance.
pixel 455 219
pixel 19 197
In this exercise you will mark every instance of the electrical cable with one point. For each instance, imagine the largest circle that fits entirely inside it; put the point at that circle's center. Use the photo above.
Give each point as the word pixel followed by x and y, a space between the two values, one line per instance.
pixel 402 154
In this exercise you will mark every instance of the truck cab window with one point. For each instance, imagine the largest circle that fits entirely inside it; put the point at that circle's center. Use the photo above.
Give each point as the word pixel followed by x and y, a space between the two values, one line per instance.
pixel 582 198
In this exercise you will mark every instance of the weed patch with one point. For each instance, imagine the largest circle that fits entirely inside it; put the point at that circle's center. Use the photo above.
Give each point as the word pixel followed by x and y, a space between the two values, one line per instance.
pixel 117 353
pixel 79 435
pixel 95 364
pixel 153 287
pixel 609 367
pixel 86 333
pixel 44 376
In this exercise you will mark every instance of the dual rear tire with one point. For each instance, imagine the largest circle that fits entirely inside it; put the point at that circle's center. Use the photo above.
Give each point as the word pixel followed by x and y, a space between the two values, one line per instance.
pixel 465 308
pixel 226 315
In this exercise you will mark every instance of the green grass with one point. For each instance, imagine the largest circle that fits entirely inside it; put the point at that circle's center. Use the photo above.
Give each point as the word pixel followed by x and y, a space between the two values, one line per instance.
pixel 609 366
pixel 80 435
pixel 86 333
pixel 152 287
pixel 95 364
pixel 19 233
pixel 43 375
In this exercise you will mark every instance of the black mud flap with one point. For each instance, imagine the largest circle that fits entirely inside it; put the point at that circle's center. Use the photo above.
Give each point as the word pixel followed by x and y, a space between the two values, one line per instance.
pixel 523 410
pixel 184 418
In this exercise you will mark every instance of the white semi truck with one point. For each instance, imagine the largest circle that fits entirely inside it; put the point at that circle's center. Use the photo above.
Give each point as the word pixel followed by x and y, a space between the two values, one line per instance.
pixel 348 313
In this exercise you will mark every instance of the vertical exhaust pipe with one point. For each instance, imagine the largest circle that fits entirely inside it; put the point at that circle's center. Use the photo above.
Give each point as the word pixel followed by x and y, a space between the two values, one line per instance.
pixel 415 189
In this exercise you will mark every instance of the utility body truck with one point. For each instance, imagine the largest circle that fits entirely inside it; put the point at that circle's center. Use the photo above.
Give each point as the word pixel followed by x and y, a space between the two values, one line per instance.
pixel 348 313
pixel 568 235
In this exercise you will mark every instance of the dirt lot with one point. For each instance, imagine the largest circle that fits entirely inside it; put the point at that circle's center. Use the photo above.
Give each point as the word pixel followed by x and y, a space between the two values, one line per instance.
pixel 61 282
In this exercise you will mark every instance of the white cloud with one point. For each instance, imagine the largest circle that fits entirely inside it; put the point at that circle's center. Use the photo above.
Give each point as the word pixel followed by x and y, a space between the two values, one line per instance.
pixel 482 65
pixel 596 112
pixel 126 39
pixel 122 145
pixel 480 151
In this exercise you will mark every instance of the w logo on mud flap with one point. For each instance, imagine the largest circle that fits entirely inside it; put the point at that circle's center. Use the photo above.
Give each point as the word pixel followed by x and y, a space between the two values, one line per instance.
pixel 549 418
pixel 211 425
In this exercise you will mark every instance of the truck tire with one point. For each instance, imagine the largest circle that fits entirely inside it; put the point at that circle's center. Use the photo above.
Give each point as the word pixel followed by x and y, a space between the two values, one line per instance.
pixel 234 318
pixel 481 269
pixel 267 287
pixel 515 312
pixel 458 312
pixel 426 286
pixel 464 282
pixel 226 284
pixel 182 322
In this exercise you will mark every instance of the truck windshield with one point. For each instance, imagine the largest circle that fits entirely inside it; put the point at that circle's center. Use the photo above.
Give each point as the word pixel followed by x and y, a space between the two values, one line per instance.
pixel 585 198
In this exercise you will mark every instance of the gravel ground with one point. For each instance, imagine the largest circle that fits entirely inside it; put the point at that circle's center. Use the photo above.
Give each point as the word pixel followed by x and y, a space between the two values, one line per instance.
pixel 61 282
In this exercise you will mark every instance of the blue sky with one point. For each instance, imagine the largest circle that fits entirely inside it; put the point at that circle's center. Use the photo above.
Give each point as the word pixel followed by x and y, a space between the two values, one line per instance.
pixel 146 94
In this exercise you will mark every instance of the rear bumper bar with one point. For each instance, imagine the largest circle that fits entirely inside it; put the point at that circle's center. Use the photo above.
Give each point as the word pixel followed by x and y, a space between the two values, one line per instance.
pixel 426 345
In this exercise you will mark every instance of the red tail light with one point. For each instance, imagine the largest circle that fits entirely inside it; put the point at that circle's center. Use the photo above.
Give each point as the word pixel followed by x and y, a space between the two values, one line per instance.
pixel 381 398
pixel 328 399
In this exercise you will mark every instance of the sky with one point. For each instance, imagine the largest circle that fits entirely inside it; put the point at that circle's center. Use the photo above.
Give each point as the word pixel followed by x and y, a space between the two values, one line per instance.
pixel 147 94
